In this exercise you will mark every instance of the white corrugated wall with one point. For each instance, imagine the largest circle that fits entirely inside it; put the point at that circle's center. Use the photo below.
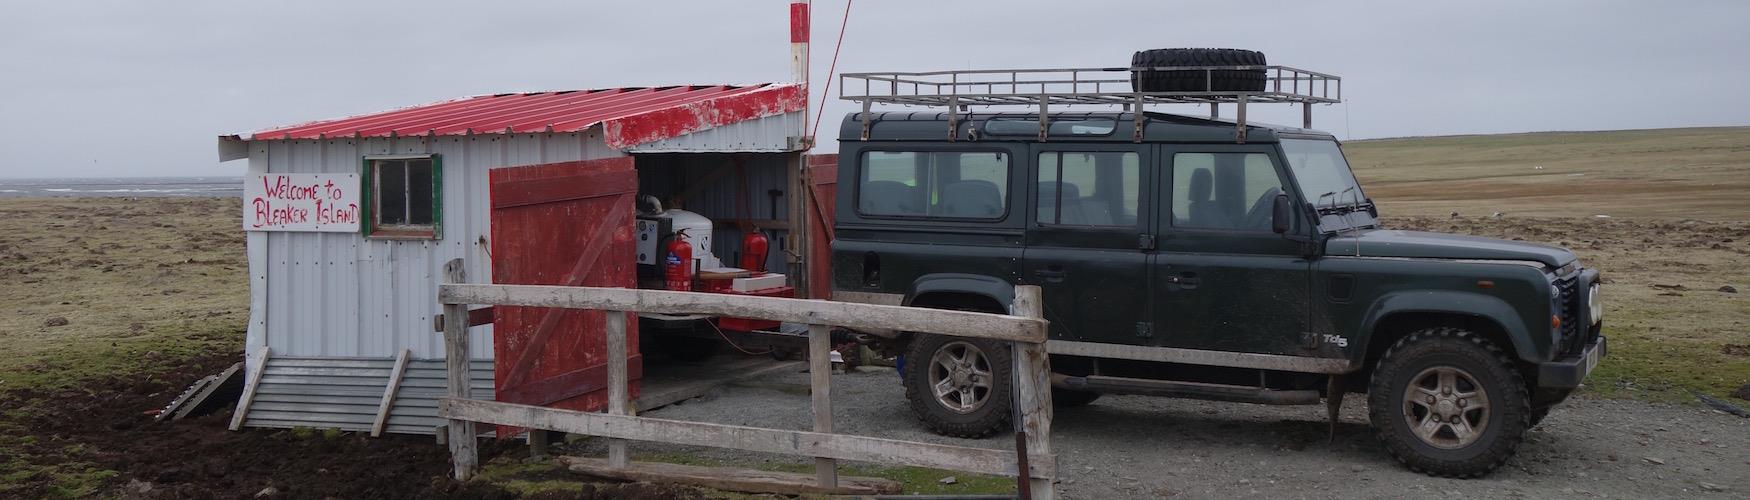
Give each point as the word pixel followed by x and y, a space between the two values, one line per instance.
pixel 344 295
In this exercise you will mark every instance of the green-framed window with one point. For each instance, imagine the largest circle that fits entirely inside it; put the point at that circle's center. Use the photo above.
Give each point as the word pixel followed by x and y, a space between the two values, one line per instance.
pixel 403 196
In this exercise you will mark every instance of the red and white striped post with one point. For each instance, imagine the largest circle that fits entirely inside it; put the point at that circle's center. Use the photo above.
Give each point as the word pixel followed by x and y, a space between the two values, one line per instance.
pixel 799 26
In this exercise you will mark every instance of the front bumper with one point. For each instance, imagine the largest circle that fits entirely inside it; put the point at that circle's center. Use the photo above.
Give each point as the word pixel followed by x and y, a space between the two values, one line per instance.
pixel 1566 373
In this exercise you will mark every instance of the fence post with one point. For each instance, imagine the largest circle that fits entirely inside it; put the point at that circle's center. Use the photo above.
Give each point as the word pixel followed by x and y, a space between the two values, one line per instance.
pixel 618 394
pixel 1032 383
pixel 462 435
pixel 820 386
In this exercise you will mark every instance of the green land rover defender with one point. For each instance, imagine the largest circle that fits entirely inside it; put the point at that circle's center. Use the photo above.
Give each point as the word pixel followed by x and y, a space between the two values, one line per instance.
pixel 1193 257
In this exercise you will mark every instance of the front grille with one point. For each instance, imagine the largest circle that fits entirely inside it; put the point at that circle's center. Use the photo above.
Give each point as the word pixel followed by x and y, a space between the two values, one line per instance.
pixel 1568 307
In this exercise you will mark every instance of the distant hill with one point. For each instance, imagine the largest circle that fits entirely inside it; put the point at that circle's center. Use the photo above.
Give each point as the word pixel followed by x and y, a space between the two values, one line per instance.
pixel 1701 173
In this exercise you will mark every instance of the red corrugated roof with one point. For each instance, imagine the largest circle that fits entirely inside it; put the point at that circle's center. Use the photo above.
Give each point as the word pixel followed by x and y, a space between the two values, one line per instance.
pixel 629 116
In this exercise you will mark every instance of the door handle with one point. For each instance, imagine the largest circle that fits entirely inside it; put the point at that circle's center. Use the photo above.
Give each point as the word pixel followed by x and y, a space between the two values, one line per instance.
pixel 1051 275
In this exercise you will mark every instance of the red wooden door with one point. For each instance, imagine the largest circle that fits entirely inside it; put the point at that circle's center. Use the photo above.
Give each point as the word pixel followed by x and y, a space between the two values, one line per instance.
pixel 823 180
pixel 560 224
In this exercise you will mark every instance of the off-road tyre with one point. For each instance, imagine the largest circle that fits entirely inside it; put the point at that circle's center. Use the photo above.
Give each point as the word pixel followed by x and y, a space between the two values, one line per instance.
pixel 1508 414
pixel 1236 80
pixel 989 418
pixel 1071 398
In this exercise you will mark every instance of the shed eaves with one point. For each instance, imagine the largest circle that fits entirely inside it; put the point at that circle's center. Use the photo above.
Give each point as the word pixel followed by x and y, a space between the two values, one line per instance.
pixel 629 116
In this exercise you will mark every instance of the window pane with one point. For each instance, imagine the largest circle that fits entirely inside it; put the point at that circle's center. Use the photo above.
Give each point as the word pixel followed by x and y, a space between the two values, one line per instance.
pixel 419 194
pixel 1096 189
pixel 1223 190
pixel 939 184
pixel 889 184
pixel 1049 196
pixel 972 185
pixel 391 195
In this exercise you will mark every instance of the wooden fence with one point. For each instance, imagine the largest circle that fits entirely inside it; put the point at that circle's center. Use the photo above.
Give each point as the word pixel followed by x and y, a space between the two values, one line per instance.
pixel 1032 463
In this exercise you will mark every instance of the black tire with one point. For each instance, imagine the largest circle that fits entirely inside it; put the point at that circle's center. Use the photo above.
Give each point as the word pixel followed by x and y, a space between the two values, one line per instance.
pixel 987 418
pixel 1478 365
pixel 1070 398
pixel 1236 80
pixel 687 349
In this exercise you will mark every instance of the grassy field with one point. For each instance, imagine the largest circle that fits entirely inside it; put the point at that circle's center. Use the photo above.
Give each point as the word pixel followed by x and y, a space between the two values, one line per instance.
pixel 1694 173
pixel 1678 232
pixel 104 286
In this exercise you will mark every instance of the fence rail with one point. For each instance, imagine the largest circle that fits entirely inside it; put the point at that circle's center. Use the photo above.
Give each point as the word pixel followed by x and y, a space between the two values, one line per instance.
pixel 1032 462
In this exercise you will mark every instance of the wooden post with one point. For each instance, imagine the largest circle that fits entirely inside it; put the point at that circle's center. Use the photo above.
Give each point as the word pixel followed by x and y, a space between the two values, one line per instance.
pixel 254 378
pixel 538 441
pixel 462 435
pixel 617 381
pixel 1032 382
pixel 388 402
pixel 820 386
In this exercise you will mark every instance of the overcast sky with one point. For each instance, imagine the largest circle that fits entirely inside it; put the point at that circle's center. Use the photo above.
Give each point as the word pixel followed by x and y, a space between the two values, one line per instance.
pixel 135 88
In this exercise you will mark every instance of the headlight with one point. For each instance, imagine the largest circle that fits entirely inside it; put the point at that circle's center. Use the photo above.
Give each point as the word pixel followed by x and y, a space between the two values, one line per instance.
pixel 1595 309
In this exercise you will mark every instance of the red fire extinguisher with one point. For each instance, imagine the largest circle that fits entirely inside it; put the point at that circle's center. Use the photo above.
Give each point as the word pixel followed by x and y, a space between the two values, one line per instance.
pixel 678 271
pixel 753 251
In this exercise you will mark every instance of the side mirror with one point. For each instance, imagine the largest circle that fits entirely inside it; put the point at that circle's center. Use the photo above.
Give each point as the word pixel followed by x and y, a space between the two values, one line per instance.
pixel 1281 214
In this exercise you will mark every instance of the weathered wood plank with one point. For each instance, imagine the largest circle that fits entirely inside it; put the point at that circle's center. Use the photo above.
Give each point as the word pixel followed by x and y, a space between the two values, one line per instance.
pixel 1032 395
pixel 730 479
pixel 618 391
pixel 462 436
pixel 820 388
pixel 248 397
pixel 795 443
pixel 389 392
pixel 809 311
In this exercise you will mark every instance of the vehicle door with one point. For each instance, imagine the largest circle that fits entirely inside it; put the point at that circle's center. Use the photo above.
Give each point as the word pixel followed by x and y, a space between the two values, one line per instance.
pixel 1087 216
pixel 1224 279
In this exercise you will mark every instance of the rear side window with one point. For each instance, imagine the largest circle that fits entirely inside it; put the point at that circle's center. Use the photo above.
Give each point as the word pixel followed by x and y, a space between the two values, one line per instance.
pixel 1088 189
pixel 939 184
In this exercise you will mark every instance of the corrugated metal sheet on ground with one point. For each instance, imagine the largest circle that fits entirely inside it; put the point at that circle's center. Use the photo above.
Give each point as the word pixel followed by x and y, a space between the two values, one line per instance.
pixel 334 393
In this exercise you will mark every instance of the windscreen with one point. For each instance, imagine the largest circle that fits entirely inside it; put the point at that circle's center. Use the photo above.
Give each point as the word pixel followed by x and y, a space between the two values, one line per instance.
pixel 1322 172
pixel 1326 181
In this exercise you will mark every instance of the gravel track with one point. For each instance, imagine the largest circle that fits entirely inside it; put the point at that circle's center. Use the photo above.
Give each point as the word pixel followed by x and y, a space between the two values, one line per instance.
pixel 1140 447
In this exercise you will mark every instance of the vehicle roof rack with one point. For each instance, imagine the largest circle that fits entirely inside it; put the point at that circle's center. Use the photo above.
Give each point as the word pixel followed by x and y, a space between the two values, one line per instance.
pixel 1044 88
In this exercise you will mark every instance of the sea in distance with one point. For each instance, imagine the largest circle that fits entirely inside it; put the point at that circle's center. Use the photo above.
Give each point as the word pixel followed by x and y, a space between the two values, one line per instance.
pixel 217 186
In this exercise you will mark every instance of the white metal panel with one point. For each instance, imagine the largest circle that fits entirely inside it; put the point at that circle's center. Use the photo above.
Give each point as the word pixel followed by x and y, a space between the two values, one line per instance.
pixel 769 134
pixel 343 295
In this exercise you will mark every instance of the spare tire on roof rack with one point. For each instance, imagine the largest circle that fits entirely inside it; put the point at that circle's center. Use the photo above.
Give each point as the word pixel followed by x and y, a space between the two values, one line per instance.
pixel 1197 80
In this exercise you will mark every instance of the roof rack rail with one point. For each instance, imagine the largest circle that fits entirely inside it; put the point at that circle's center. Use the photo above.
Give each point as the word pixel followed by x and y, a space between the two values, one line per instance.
pixel 1044 88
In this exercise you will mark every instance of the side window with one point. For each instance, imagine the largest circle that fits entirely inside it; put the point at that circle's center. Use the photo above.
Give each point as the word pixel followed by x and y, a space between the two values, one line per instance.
pixel 404 197
pixel 944 184
pixel 1223 190
pixel 1088 189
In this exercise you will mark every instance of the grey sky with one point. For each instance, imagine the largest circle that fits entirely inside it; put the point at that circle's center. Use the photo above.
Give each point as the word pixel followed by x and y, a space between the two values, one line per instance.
pixel 142 88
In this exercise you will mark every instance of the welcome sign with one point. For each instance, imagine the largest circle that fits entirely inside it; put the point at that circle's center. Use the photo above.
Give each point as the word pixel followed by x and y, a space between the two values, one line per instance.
pixel 302 202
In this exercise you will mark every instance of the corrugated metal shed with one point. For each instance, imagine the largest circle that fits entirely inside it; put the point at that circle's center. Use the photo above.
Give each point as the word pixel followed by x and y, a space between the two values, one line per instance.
pixel 629 116
pixel 336 308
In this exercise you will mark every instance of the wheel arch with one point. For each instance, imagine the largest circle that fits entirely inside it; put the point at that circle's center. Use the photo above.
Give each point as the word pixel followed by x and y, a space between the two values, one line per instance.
pixel 1395 316
pixel 942 290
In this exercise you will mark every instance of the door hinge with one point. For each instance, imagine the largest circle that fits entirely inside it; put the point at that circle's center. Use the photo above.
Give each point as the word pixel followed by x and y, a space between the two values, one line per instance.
pixel 1145 329
pixel 1145 241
